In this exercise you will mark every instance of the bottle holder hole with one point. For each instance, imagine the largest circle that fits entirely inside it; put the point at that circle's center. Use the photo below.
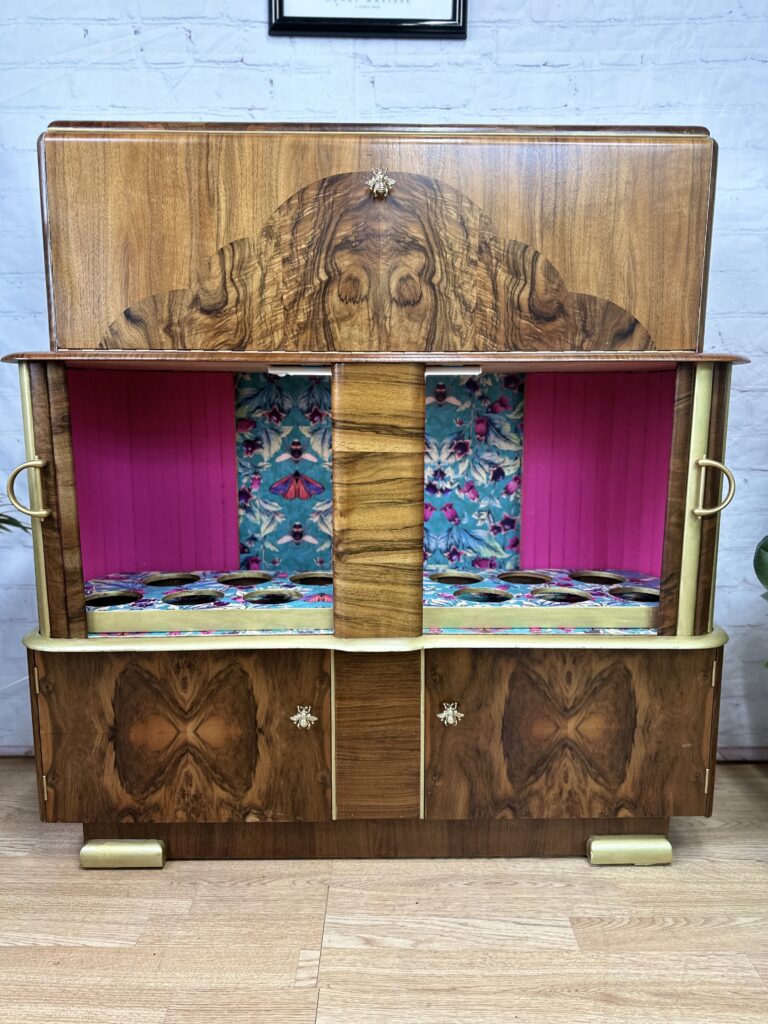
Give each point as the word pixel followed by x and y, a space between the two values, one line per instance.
pixel 170 579
pixel 190 598
pixel 596 576
pixel 519 576
pixel 644 595
pixel 560 595
pixel 269 597
pixel 484 595
pixel 111 598
pixel 248 578
pixel 313 579
pixel 456 577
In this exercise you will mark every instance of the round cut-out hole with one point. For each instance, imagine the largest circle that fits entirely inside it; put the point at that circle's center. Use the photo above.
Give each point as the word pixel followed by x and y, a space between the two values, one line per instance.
pixel 171 579
pixel 247 578
pixel 483 595
pixel 110 598
pixel 269 596
pixel 560 595
pixel 520 576
pixel 313 579
pixel 642 595
pixel 190 598
pixel 456 577
pixel 596 576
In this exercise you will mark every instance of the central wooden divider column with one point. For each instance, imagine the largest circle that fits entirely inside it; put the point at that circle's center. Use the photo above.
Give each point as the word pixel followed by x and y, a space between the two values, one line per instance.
pixel 378 499
pixel 378 516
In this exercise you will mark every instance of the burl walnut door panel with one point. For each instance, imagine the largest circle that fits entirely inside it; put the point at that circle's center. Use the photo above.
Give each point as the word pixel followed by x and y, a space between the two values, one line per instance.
pixel 185 736
pixel 568 734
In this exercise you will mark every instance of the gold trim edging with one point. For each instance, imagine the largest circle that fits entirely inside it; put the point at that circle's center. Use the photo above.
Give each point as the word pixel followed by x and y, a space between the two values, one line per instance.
pixel 34 641
pixel 35 500
pixel 689 562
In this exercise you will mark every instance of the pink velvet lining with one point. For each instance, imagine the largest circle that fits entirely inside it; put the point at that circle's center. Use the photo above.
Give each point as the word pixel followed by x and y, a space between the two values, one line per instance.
pixel 155 472
pixel 596 456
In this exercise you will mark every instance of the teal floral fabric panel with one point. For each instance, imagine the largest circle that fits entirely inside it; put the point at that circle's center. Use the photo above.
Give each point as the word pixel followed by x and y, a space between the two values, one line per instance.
pixel 283 436
pixel 472 474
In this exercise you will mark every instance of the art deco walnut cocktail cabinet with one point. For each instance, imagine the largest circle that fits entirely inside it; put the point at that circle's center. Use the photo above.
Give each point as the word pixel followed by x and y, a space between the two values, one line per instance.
pixel 375 477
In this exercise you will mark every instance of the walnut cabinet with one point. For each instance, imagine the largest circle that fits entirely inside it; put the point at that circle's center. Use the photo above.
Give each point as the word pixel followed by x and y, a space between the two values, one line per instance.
pixel 375 476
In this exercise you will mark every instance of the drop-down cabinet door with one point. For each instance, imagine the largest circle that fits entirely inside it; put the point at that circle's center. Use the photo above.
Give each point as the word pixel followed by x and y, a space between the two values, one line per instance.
pixel 184 736
pixel 570 734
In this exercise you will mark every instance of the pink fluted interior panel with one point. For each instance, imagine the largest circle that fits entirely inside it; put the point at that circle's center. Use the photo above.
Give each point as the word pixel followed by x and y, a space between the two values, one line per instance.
pixel 154 455
pixel 596 456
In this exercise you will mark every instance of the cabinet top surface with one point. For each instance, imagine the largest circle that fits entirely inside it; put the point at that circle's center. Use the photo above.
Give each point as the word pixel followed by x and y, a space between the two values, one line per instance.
pixel 490 361
pixel 289 127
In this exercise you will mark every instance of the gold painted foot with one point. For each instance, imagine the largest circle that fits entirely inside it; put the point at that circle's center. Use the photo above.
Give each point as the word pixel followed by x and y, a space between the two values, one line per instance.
pixel 638 850
pixel 123 853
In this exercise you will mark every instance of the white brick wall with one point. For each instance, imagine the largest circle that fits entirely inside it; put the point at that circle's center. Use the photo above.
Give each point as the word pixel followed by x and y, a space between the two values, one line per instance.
pixel 536 61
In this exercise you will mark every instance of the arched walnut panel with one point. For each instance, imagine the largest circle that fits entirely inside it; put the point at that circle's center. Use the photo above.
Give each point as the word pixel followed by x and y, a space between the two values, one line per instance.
pixel 493 238
pixel 337 269
pixel 175 736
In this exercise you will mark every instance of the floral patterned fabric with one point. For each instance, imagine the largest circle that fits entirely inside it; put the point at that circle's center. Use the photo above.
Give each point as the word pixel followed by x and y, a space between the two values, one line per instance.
pixel 283 436
pixel 472 474
pixel 472 471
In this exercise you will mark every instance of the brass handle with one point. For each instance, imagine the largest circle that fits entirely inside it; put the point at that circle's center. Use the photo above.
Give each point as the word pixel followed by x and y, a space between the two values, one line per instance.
pixel 35 513
pixel 304 719
pixel 380 184
pixel 703 464
pixel 450 715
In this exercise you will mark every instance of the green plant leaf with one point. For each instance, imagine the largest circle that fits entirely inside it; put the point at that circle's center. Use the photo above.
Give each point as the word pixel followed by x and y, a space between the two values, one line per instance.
pixel 8 523
pixel 761 561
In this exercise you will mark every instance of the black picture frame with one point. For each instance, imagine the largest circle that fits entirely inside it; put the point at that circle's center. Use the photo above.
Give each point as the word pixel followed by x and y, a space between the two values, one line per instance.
pixel 454 27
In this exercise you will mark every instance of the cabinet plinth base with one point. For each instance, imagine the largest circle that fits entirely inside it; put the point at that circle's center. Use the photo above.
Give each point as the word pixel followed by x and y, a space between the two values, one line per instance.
pixel 636 850
pixel 123 853
pixel 523 837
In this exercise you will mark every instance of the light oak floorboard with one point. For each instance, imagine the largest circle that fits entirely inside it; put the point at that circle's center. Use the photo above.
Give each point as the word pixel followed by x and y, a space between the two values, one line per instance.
pixel 362 942
pixel 242 1005
pixel 596 1004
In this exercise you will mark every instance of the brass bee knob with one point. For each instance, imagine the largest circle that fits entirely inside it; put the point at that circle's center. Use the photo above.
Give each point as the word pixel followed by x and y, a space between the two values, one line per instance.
pixel 380 184
pixel 304 719
pixel 450 715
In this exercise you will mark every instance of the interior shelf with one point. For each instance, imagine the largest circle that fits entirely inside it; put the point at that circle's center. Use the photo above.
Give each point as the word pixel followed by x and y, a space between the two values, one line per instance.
pixel 193 603
pixel 557 600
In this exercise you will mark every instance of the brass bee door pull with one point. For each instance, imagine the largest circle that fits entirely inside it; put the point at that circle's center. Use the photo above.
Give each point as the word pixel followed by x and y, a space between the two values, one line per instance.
pixel 304 719
pixel 380 184
pixel 450 715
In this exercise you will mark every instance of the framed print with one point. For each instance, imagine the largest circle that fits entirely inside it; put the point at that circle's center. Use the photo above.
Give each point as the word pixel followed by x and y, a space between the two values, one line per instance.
pixel 440 19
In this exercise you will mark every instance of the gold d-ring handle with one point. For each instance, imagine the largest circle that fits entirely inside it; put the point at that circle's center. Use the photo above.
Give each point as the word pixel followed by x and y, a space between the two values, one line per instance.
pixel 704 512
pixel 36 513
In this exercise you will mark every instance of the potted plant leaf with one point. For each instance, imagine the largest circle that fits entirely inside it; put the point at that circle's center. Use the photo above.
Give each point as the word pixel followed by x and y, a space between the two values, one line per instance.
pixel 8 522
pixel 761 563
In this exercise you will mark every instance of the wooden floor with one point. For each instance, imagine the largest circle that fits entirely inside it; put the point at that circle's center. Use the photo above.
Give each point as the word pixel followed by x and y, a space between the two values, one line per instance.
pixel 388 942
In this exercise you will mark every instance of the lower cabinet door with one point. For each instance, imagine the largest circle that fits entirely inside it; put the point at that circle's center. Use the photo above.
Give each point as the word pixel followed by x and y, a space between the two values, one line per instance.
pixel 569 734
pixel 185 736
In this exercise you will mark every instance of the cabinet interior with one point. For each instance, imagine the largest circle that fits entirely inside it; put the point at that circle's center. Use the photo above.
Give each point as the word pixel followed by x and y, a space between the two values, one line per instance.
pixel 545 499
pixel 206 506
